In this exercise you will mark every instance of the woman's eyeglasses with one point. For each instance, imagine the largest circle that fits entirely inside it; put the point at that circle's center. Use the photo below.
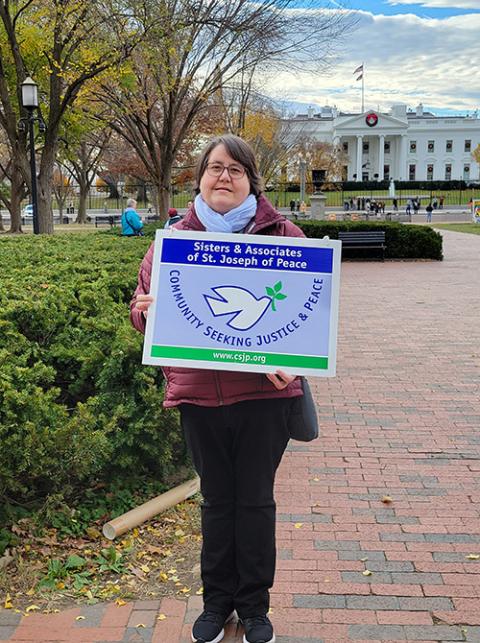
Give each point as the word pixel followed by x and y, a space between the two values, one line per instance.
pixel 234 171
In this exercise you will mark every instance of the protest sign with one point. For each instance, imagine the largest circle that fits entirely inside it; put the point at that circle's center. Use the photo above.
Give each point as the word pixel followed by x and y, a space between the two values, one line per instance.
pixel 241 302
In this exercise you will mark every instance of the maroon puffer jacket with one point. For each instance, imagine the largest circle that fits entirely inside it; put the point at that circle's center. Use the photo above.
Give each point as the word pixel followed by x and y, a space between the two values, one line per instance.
pixel 207 387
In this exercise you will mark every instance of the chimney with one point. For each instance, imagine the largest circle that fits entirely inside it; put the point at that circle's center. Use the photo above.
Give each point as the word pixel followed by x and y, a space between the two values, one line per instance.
pixel 399 110
pixel 419 110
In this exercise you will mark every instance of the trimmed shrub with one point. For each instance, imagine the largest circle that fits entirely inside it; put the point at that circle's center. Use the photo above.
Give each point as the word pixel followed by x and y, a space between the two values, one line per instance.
pixel 76 404
pixel 402 241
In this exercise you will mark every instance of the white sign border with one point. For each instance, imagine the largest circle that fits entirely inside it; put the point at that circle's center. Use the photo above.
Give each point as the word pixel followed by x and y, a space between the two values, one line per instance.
pixel 325 242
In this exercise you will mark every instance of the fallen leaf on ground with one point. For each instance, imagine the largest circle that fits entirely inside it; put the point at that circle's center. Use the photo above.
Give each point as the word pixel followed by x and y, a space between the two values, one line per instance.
pixel 297 525
pixel 387 500
pixel 161 617
pixel 367 572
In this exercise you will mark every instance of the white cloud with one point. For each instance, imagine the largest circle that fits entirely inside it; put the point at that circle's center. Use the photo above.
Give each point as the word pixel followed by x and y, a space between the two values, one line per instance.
pixel 439 4
pixel 407 59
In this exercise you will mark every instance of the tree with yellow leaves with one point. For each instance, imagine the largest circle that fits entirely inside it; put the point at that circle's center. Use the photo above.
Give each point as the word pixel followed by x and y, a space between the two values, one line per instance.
pixel 476 156
pixel 63 44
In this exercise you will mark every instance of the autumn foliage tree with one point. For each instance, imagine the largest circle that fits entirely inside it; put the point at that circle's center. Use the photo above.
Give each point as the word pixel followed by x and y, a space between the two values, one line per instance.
pixel 63 44
pixel 191 50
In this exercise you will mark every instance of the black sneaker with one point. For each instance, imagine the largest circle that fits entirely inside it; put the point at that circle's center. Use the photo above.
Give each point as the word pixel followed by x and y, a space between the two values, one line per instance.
pixel 208 628
pixel 258 629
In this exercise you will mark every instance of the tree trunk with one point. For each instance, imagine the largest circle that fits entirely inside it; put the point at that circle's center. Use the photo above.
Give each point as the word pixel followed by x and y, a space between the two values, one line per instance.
pixel 45 214
pixel 17 192
pixel 163 202
pixel 2 228
pixel 82 204
pixel 45 179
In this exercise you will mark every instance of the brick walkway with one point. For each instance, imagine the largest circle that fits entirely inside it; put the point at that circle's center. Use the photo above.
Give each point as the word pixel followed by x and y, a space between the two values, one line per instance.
pixel 401 419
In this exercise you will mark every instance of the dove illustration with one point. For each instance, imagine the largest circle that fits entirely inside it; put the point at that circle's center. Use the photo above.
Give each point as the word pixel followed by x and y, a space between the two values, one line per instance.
pixel 246 310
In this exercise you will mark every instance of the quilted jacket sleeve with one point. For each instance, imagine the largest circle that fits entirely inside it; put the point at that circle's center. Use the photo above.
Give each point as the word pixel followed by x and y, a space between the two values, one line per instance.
pixel 143 288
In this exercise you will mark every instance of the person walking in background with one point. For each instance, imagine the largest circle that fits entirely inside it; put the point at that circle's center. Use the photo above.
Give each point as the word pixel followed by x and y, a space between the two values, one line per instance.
pixel 132 225
pixel 303 208
pixel 173 217
pixel 408 207
pixel 429 210
pixel 235 422
pixel 395 205
pixel 292 206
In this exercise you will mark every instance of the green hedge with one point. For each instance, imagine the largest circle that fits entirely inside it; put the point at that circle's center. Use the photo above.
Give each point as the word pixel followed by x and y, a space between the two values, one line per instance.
pixel 76 405
pixel 402 241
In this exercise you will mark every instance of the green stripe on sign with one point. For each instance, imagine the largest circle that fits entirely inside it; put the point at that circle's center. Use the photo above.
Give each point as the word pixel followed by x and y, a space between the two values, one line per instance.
pixel 239 357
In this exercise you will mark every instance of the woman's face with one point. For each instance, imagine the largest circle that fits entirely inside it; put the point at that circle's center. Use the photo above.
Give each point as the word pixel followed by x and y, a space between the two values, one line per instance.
pixel 222 193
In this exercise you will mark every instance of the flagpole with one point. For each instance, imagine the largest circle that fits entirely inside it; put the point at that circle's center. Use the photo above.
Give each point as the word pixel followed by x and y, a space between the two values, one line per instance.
pixel 363 87
pixel 361 70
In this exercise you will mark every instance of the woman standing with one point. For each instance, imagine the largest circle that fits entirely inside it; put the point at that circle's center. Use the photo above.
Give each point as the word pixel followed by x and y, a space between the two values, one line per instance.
pixel 235 423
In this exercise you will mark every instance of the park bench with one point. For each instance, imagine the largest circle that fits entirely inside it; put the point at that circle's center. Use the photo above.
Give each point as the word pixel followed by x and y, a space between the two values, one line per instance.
pixel 110 219
pixel 367 240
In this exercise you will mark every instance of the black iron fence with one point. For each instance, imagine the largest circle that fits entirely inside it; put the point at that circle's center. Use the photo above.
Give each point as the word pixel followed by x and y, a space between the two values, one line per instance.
pixel 281 195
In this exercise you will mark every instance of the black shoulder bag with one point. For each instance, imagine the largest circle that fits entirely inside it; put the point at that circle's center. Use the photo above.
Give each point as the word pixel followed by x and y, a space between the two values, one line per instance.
pixel 303 422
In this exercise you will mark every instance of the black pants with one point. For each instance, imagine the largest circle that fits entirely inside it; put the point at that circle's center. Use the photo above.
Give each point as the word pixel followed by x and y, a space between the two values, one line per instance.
pixel 236 450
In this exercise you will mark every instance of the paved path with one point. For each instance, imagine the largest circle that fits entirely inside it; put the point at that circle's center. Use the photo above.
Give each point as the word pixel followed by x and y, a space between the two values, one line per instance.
pixel 401 419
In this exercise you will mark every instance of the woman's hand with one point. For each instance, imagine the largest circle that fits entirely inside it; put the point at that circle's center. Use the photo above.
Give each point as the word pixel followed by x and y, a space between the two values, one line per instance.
pixel 280 379
pixel 143 303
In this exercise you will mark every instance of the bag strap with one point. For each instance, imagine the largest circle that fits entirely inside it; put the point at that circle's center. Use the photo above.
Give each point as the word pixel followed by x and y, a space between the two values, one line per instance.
pixel 130 224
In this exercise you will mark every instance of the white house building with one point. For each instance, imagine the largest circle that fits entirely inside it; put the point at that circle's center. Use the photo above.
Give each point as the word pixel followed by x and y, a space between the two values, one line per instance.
pixel 403 145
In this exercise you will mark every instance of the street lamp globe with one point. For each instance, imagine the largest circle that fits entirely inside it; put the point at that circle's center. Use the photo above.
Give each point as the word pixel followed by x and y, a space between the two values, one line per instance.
pixel 29 93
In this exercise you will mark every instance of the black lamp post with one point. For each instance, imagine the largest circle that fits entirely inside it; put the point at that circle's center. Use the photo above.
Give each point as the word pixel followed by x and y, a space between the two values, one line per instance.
pixel 30 103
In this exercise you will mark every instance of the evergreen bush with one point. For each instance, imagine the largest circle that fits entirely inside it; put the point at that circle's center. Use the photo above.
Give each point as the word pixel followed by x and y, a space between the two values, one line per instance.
pixel 76 404
pixel 402 241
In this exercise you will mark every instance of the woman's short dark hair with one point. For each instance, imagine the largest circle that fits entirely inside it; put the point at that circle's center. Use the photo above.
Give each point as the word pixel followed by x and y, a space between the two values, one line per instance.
pixel 240 151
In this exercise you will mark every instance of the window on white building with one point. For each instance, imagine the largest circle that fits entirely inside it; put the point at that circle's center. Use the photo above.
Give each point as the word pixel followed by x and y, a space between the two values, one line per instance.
pixel 413 147
pixel 468 145
pixel 449 146
pixel 466 172
pixel 366 147
pixel 448 172
pixel 429 172
pixel 411 172
pixel 345 146
pixel 431 146
pixel 386 172
pixel 386 147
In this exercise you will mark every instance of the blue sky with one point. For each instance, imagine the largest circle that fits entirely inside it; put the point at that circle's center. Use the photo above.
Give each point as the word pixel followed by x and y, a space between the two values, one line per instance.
pixel 413 50
pixel 425 8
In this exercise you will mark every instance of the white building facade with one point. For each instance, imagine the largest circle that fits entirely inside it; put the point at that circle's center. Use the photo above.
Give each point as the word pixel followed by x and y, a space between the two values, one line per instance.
pixel 403 145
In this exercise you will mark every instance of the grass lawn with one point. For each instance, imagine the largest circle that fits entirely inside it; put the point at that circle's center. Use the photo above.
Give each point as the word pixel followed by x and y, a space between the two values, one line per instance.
pixel 472 228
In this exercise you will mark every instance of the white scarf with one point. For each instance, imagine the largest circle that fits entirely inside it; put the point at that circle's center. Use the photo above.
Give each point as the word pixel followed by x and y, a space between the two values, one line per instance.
pixel 232 221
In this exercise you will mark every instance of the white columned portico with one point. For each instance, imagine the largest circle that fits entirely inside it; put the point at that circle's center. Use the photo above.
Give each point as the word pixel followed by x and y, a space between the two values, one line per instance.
pixel 402 170
pixel 381 156
pixel 359 157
